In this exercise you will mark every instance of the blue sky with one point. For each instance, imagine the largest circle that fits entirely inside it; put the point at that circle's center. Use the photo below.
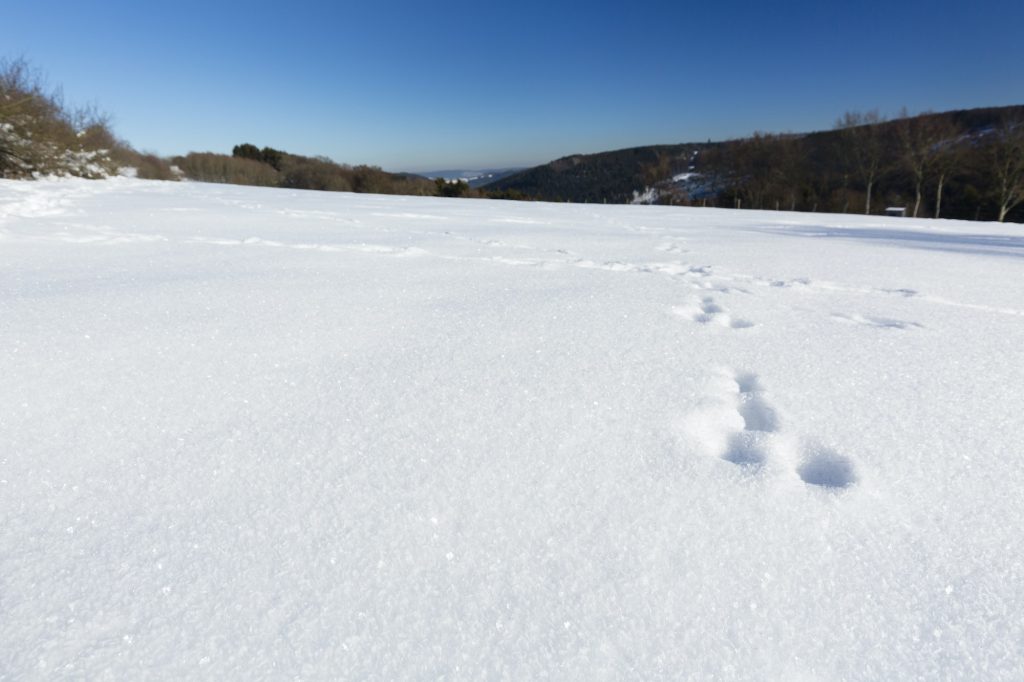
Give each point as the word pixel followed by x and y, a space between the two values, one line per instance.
pixel 430 85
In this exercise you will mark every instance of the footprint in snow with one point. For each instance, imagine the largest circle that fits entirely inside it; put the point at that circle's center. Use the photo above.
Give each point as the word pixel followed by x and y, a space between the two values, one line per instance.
pixel 737 423
pixel 825 468
pixel 746 449
pixel 757 414
pixel 789 283
pixel 877 322
pixel 740 426
pixel 671 247
pixel 707 311
pixel 905 293
pixel 749 446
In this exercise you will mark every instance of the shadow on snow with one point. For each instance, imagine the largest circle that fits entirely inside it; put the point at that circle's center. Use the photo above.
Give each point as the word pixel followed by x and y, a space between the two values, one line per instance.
pixel 978 244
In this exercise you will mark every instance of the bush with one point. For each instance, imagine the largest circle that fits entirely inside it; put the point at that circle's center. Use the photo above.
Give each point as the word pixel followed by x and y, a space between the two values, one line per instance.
pixel 152 167
pixel 148 166
pixel 40 135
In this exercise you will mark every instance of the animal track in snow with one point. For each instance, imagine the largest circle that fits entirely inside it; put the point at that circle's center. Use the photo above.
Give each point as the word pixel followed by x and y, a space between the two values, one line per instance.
pixel 671 247
pixel 613 266
pixel 745 449
pixel 411 216
pixel 329 248
pixel 757 414
pixel 329 216
pixel 670 268
pixel 517 221
pixel 790 283
pixel 878 322
pixel 826 468
pixel 51 200
pixel 528 262
pixel 706 311
pixel 94 235
pixel 739 425
pixel 749 445
pixel 906 293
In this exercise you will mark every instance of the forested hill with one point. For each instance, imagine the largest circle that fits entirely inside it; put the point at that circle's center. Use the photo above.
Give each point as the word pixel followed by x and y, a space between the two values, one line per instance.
pixel 956 164
pixel 609 177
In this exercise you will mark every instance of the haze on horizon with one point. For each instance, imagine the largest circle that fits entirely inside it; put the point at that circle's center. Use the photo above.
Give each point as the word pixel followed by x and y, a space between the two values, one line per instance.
pixel 414 86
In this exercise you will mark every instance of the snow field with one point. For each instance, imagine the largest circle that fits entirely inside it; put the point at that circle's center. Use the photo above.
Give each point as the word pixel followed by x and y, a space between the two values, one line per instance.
pixel 259 433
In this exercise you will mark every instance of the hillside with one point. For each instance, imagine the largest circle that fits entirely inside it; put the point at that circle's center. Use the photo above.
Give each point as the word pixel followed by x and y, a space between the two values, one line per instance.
pixel 608 177
pixel 946 160
pixel 254 433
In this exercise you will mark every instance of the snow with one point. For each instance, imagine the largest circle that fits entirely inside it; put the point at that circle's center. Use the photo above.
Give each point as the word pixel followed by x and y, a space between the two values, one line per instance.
pixel 255 433
pixel 648 196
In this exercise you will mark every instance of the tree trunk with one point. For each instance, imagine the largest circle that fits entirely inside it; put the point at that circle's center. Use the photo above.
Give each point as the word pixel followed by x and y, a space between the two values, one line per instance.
pixel 938 195
pixel 1004 196
pixel 917 198
pixel 867 204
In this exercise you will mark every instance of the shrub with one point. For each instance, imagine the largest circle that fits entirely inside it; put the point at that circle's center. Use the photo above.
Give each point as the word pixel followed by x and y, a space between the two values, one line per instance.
pixel 148 166
pixel 210 167
pixel 40 135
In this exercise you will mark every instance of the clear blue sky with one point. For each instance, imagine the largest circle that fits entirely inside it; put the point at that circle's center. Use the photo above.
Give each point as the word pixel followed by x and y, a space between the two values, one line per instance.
pixel 430 85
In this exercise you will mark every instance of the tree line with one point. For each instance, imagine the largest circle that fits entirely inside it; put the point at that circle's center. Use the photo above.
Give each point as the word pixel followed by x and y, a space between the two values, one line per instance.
pixel 957 165
pixel 269 167
pixel 251 165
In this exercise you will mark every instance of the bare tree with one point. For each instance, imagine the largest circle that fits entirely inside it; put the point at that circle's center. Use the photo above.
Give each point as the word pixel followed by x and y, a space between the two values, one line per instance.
pixel 927 143
pixel 948 155
pixel 788 171
pixel 1006 154
pixel 862 139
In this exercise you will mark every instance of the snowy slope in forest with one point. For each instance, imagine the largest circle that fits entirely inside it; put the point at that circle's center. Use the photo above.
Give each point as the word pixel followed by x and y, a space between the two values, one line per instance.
pixel 250 433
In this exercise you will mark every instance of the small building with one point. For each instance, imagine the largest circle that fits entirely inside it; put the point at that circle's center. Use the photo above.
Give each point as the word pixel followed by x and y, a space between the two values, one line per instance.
pixel 896 211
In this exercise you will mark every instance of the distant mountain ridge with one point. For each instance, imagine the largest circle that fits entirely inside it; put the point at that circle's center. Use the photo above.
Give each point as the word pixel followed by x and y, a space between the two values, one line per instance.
pixel 475 178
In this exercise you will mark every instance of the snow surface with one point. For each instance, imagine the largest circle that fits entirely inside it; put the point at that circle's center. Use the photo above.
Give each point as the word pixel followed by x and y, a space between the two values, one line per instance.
pixel 252 433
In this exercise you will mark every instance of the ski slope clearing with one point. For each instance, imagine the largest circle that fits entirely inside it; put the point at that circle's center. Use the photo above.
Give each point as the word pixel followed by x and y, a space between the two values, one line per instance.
pixel 264 434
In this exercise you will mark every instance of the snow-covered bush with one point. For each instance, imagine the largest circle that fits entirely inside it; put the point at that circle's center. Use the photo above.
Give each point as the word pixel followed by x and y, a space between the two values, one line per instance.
pixel 39 135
